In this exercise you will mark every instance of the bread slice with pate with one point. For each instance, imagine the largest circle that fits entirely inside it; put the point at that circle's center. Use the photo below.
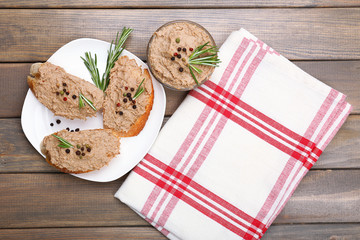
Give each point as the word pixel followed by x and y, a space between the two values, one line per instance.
pixel 60 91
pixel 89 150
pixel 125 111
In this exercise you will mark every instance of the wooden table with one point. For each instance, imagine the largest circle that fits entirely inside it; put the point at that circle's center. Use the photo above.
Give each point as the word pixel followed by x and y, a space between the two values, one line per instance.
pixel 320 36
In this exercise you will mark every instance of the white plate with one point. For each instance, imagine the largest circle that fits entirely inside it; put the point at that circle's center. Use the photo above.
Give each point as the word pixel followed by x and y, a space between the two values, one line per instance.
pixel 36 118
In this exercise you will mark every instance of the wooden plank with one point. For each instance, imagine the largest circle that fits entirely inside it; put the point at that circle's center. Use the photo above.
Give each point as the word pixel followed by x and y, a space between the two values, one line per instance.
pixel 325 196
pixel 341 75
pixel 96 233
pixel 174 4
pixel 17 154
pixel 278 232
pixel 13 88
pixel 33 35
pixel 314 232
pixel 61 200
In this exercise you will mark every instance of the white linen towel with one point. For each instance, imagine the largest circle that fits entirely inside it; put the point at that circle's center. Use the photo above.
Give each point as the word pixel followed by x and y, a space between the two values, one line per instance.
pixel 230 157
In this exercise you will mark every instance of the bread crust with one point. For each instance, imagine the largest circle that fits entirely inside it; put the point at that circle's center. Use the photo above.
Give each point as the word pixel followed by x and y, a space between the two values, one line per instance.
pixel 139 124
pixel 65 170
pixel 34 71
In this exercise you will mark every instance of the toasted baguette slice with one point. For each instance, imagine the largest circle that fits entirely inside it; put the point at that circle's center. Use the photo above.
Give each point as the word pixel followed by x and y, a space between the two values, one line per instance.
pixel 121 113
pixel 92 150
pixel 59 91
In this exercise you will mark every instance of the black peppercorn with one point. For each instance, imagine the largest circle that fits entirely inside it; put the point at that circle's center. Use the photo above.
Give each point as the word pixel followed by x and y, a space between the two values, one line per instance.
pixel 128 95
pixel 83 154
pixel 82 148
pixel 78 152
pixel 178 56
pixel 124 100
pixel 51 124
pixel 67 93
pixel 184 49
pixel 64 89
pixel 68 129
pixel 77 129
pixel 121 113
pixel 67 150
pixel 134 106
pixel 172 58
pixel 181 69
pixel 64 84
pixel 179 49
pixel 132 89
pixel 74 96
pixel 58 121
pixel 88 149
pixel 72 131
pixel 57 93
pixel 130 98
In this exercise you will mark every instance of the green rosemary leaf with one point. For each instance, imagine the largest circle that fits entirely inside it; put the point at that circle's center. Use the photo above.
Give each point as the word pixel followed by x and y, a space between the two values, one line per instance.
pixel 193 75
pixel 196 69
pixel 90 103
pixel 139 90
pixel 115 50
pixel 64 146
pixel 81 103
pixel 196 58
pixel 114 53
pixel 63 142
pixel 208 64
pixel 91 65
pixel 138 94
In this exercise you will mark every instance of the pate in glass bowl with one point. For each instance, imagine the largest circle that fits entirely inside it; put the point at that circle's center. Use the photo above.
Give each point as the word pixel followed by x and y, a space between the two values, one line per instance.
pixel 181 55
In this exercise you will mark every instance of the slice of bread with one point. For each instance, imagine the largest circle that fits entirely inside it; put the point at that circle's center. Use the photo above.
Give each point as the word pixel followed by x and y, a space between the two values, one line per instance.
pixel 59 91
pixel 92 149
pixel 121 113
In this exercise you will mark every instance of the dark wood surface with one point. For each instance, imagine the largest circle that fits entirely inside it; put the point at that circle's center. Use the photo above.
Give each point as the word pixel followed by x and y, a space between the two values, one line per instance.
pixel 174 3
pixel 309 33
pixel 320 36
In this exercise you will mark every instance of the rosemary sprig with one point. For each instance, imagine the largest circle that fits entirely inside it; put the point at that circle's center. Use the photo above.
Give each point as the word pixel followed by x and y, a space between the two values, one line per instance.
pixel 82 98
pixel 114 52
pixel 91 65
pixel 63 142
pixel 139 90
pixel 208 60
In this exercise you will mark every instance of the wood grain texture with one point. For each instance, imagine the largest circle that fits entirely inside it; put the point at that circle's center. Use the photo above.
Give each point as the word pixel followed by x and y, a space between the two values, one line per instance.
pixel 313 232
pixel 332 196
pixel 307 33
pixel 173 4
pixel 341 75
pixel 278 232
pixel 95 233
pixel 61 200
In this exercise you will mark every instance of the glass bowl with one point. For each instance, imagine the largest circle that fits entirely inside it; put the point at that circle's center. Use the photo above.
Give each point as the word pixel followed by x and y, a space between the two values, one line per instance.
pixel 164 82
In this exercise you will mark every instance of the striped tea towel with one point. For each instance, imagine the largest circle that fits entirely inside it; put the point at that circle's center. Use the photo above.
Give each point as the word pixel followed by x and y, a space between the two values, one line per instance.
pixel 230 157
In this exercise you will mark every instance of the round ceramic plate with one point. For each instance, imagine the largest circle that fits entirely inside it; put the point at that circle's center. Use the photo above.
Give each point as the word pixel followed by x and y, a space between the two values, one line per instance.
pixel 36 118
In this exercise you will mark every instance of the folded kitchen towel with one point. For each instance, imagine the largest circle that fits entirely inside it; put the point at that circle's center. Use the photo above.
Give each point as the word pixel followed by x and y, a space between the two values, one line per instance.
pixel 230 157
